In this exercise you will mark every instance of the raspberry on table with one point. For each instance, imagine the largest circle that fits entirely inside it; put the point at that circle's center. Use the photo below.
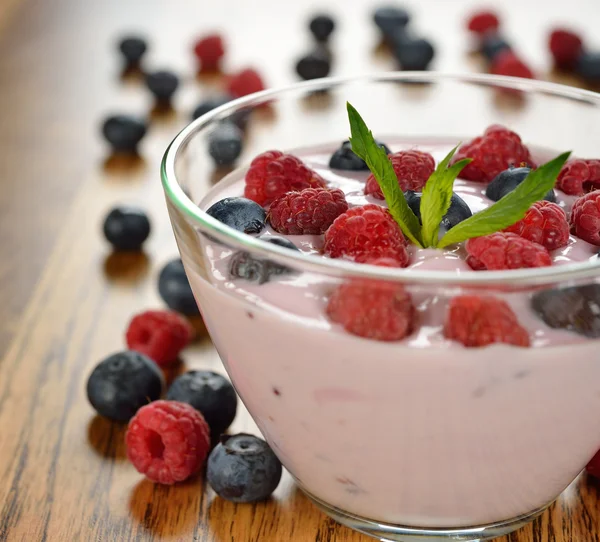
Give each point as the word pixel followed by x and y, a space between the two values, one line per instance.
pixel 160 335
pixel 545 223
pixel 167 441
pixel 479 321
pixel 209 51
pixel 579 176
pixel 482 22
pixel 508 63
pixel 245 82
pixel 503 250
pixel 498 149
pixel 585 218
pixel 273 173
pixel 566 48
pixel 364 233
pixel 310 211
pixel 412 168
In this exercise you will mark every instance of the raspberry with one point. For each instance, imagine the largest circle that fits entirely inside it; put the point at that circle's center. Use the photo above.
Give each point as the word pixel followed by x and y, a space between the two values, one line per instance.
pixel 508 63
pixel 412 168
pixel 168 441
pixel 502 250
pixel 377 310
pixel 544 223
pixel 310 211
pixel 273 174
pixel 579 176
pixel 498 149
pixel 245 82
pixel 483 22
pixel 479 321
pixel 585 218
pixel 209 51
pixel 160 335
pixel 593 467
pixel 566 47
pixel 365 233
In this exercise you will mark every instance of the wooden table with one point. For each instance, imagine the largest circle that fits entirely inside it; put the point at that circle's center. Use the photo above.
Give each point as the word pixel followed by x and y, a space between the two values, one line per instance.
pixel 65 300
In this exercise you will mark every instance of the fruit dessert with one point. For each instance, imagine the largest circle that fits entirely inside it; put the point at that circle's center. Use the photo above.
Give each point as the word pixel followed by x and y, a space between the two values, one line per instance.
pixel 420 404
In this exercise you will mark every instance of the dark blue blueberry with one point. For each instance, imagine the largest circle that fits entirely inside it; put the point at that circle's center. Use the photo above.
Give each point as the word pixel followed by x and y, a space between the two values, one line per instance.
pixel 458 211
pixel 239 118
pixel 314 65
pixel 124 132
pixel 415 54
pixel 492 45
pixel 344 158
pixel 123 383
pixel 209 393
pixel 242 468
pixel 244 266
pixel 588 66
pixel 126 228
pixel 390 18
pixel 225 143
pixel 162 84
pixel 240 214
pixel 507 181
pixel 321 27
pixel 175 290
pixel 576 309
pixel 133 48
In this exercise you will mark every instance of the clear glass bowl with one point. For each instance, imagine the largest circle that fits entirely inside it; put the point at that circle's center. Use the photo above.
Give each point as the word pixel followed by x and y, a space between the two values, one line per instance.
pixel 402 441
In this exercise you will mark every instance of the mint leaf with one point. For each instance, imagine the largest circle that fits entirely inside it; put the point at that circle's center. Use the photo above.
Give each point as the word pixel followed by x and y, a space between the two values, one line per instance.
pixel 364 145
pixel 511 208
pixel 436 197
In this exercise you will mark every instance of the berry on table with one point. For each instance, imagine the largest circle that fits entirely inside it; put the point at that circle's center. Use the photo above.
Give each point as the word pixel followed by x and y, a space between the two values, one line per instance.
pixel 126 228
pixel 239 118
pixel 310 211
pixel 175 290
pixel 321 27
pixel 122 383
pixel 390 18
pixel 412 168
pixel 209 51
pixel 457 212
pixel 414 54
pixel 588 66
pixel 585 218
pixel 566 48
pixel 167 441
pixel 245 266
pixel 579 176
pixel 225 143
pixel 124 133
pixel 273 173
pixel 503 250
pixel 492 45
pixel 160 335
pixel 162 85
pixel 209 393
pixel 545 223
pixel 507 180
pixel 245 82
pixel 593 467
pixel 242 468
pixel 240 214
pixel 483 22
pixel 133 49
pixel 314 65
pixel 508 63
pixel 345 159
pixel 480 321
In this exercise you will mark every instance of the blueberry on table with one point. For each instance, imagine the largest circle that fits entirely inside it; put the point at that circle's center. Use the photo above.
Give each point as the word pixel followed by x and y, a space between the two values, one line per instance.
pixel 492 45
pixel 588 66
pixel 389 18
pixel 415 54
pixel 345 159
pixel 242 468
pixel 239 118
pixel 209 393
pixel 321 27
pixel 507 180
pixel 240 214
pixel 457 212
pixel 126 228
pixel 162 84
pixel 124 133
pixel 244 266
pixel 314 65
pixel 123 383
pixel 175 290
pixel 133 49
pixel 225 143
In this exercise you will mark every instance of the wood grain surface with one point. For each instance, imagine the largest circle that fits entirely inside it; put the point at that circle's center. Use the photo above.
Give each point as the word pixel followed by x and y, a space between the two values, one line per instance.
pixel 65 299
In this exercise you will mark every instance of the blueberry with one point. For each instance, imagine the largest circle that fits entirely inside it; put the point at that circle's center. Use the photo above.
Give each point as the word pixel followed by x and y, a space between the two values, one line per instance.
pixel 576 309
pixel 239 118
pixel 242 468
pixel 225 143
pixel 133 48
pixel 415 54
pixel 492 45
pixel 209 393
pixel 240 214
pixel 162 84
pixel 588 66
pixel 321 27
pixel 244 266
pixel 507 181
pixel 124 132
pixel 344 158
pixel 458 211
pixel 126 228
pixel 123 383
pixel 314 65
pixel 175 289
pixel 390 18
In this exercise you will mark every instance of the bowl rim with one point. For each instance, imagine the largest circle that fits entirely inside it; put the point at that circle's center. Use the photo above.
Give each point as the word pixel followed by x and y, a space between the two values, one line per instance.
pixel 346 268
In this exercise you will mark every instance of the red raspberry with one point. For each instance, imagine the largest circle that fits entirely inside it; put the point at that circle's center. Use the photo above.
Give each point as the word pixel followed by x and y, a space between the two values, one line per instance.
pixel 579 176
pixel 209 51
pixel 366 233
pixel 310 211
pixel 497 150
pixel 245 82
pixel 273 174
pixel 377 310
pixel 502 250
pixel 412 168
pixel 483 22
pixel 168 441
pixel 479 321
pixel 508 63
pixel 160 335
pixel 545 223
pixel 593 467
pixel 585 218
pixel 566 47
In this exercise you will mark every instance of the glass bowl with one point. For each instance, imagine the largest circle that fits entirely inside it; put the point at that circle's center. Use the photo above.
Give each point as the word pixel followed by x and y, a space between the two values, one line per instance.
pixel 416 439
